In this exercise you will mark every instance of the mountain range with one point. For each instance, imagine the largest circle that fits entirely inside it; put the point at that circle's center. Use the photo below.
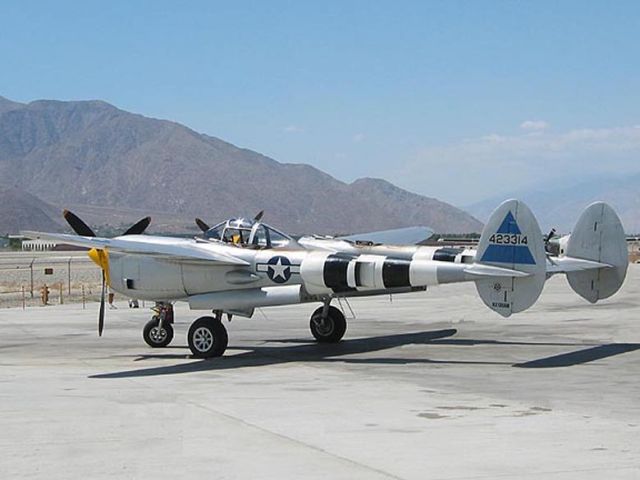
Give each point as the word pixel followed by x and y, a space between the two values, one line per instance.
pixel 114 167
pixel 560 206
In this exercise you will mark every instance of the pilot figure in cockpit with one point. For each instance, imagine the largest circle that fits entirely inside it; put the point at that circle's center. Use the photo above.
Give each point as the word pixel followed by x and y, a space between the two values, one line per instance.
pixel 233 235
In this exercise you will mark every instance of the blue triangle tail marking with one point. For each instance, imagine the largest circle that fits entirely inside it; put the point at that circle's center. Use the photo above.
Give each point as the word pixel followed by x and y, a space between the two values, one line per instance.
pixel 509 225
pixel 517 254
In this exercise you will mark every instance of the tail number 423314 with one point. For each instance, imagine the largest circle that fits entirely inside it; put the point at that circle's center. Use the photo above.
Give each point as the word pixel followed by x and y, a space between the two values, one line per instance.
pixel 508 239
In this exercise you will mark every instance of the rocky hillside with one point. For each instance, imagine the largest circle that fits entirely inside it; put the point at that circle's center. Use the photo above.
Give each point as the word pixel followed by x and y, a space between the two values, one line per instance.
pixel 92 154
pixel 20 210
pixel 6 105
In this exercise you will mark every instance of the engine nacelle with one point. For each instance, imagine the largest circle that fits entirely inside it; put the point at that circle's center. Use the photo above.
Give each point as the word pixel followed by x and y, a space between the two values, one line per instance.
pixel 145 277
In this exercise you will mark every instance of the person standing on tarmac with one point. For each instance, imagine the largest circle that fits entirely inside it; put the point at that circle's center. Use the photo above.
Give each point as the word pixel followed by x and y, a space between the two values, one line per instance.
pixel 110 299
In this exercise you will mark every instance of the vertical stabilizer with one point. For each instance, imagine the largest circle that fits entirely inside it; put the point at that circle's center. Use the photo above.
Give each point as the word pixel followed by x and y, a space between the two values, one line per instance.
pixel 598 236
pixel 512 239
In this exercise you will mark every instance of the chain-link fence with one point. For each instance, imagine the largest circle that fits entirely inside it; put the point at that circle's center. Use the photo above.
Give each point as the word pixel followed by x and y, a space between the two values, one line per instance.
pixel 67 278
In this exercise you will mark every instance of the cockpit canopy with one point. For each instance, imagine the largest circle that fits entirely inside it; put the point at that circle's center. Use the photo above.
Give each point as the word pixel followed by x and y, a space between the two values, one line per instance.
pixel 247 233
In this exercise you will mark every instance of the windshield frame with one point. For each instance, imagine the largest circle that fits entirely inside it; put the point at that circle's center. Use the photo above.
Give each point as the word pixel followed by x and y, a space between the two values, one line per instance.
pixel 248 234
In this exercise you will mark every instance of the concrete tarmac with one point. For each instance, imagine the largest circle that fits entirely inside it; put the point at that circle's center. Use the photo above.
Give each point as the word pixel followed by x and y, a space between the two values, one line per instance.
pixel 552 393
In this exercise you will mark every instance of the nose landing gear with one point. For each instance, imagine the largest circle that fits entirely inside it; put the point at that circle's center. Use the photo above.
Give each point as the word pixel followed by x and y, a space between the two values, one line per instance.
pixel 158 332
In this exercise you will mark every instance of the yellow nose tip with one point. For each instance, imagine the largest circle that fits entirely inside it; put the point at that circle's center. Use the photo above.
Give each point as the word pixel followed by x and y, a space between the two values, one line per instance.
pixel 101 258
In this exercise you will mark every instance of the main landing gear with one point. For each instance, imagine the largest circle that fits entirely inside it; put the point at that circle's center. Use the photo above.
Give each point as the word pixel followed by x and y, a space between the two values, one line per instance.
pixel 328 324
pixel 207 337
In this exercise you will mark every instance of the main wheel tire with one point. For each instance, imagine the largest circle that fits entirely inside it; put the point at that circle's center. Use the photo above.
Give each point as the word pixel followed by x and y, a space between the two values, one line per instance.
pixel 331 329
pixel 207 338
pixel 157 337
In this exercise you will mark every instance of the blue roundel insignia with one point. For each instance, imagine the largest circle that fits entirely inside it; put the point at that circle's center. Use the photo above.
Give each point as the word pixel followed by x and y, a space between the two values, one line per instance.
pixel 279 269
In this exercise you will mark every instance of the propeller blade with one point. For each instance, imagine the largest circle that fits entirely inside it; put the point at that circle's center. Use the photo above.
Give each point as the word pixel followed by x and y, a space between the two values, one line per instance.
pixel 101 313
pixel 77 224
pixel 551 234
pixel 258 216
pixel 203 226
pixel 138 228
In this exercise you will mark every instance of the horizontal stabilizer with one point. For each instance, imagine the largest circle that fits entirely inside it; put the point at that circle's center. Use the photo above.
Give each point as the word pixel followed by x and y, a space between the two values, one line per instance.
pixel 569 264
pixel 479 270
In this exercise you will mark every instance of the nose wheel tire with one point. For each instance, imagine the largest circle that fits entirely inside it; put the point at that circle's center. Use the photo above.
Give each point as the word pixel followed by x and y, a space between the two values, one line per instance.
pixel 155 336
pixel 207 338
pixel 330 329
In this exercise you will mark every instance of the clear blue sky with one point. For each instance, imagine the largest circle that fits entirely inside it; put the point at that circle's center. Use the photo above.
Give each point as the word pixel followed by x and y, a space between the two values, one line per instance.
pixel 490 95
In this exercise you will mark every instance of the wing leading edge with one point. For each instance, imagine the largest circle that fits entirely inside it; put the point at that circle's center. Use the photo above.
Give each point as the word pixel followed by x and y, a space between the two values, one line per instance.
pixel 164 247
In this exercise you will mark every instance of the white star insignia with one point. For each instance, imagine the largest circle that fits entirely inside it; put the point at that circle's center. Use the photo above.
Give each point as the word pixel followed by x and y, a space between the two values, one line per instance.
pixel 278 269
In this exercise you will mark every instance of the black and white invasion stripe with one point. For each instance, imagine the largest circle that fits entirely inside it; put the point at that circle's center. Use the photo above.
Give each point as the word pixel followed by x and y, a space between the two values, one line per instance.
pixel 348 273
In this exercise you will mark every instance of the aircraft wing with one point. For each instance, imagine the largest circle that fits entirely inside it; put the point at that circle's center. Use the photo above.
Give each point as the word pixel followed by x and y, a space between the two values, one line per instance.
pixel 397 236
pixel 145 245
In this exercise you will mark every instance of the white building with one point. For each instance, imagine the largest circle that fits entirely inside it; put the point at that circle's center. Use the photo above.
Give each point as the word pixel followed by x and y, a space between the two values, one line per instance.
pixel 37 245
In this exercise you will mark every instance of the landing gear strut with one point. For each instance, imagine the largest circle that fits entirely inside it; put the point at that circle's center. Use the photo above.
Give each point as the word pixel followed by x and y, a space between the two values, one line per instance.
pixel 207 337
pixel 158 332
pixel 328 324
